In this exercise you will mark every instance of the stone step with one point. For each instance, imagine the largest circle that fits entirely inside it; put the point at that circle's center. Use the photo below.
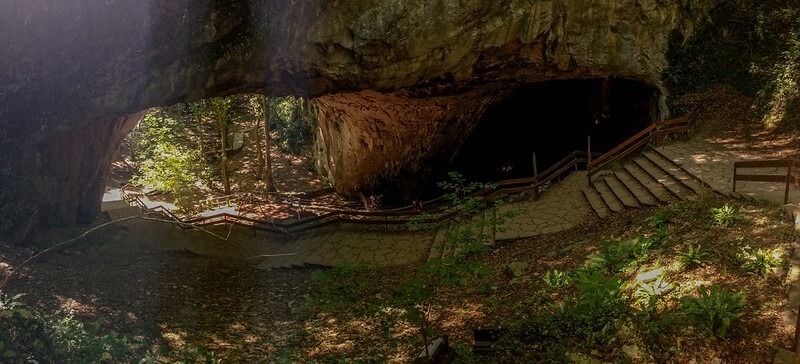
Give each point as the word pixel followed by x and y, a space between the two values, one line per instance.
pixel 622 193
pixel 448 250
pixel 659 192
pixel 611 200
pixel 488 228
pixel 663 178
pixel 642 194
pixel 124 212
pixel 437 248
pixel 283 263
pixel 686 179
pixel 596 202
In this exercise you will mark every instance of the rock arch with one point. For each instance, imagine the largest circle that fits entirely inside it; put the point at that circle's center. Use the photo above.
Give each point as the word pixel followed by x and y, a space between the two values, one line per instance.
pixel 395 82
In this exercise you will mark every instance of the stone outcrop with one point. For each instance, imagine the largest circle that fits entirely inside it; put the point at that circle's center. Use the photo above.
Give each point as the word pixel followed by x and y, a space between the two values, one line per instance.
pixel 70 72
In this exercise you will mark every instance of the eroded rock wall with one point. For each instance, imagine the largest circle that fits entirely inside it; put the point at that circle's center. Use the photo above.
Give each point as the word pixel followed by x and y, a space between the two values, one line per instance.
pixel 61 179
pixel 369 138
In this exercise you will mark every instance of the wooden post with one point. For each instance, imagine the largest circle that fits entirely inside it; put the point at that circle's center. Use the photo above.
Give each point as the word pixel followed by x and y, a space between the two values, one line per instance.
pixel 588 158
pixel 788 182
pixel 535 177
pixel 588 150
pixel 734 176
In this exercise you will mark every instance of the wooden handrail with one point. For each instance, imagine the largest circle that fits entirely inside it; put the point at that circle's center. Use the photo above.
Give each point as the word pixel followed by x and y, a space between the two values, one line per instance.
pixel 639 140
pixel 398 216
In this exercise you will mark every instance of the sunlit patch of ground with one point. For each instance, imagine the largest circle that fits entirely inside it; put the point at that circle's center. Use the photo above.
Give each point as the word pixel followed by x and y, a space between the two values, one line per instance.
pixel 501 302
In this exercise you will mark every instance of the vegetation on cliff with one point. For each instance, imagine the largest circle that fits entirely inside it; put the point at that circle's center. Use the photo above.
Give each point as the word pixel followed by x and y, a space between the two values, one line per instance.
pixel 751 45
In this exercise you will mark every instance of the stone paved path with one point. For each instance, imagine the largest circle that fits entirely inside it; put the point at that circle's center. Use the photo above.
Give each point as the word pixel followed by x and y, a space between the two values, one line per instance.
pixel 712 159
pixel 559 207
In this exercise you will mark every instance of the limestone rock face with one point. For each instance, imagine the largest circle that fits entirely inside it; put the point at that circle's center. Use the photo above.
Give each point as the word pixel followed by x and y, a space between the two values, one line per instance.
pixel 397 84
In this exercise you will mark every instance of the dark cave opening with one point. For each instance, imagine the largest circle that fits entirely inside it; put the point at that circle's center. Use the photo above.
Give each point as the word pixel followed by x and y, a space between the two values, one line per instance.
pixel 553 119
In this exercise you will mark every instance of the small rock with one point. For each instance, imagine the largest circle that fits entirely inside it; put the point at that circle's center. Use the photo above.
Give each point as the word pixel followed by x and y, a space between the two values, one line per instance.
pixel 632 351
pixel 516 269
pixel 650 275
pixel 716 361
pixel 581 358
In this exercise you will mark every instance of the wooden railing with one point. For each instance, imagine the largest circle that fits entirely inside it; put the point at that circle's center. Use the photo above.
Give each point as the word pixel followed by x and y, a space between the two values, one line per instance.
pixel 789 178
pixel 398 216
pixel 638 141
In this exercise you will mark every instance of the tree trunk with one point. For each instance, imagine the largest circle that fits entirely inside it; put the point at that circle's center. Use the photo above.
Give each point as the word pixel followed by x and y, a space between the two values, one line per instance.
pixel 259 152
pixel 221 113
pixel 268 160
pixel 201 144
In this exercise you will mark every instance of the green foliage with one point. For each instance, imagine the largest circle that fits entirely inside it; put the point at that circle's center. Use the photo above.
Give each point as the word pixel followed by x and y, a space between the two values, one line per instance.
pixel 166 162
pixel 26 335
pixel 556 279
pixel 749 44
pixel 293 119
pixel 617 256
pixel 759 262
pixel 648 294
pixel 725 215
pixel 692 257
pixel 465 235
pixel 715 310
pixel 188 355
pixel 660 218
pixel 594 315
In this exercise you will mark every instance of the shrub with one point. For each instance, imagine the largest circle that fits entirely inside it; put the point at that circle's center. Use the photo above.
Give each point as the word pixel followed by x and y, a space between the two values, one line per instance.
pixel 648 294
pixel 556 279
pixel 692 258
pixel 758 262
pixel 715 310
pixel 29 336
pixel 659 219
pixel 725 215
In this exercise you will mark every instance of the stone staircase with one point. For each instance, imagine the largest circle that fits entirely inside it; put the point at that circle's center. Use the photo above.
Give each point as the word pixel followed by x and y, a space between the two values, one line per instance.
pixel 647 180
pixel 442 248
pixel 118 210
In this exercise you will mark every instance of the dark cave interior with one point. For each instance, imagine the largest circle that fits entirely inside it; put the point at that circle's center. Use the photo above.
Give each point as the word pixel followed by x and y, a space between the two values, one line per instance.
pixel 553 119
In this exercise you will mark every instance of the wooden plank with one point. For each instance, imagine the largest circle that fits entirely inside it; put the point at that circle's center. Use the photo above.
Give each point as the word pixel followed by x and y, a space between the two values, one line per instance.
pixel 761 177
pixel 558 164
pixel 557 173
pixel 762 164
pixel 680 120
pixel 673 130
pixel 597 166
pixel 632 140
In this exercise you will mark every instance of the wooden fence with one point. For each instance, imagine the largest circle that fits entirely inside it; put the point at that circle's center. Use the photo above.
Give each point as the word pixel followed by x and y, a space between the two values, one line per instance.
pixel 397 216
pixel 641 139
pixel 788 178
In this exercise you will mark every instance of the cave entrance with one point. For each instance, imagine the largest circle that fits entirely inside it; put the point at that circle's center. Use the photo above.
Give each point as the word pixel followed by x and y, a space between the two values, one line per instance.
pixel 554 119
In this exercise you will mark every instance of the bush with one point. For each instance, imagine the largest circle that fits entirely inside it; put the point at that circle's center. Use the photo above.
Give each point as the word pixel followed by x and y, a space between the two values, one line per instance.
pixel 754 261
pixel 28 336
pixel 692 258
pixel 555 279
pixel 714 311
pixel 725 215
